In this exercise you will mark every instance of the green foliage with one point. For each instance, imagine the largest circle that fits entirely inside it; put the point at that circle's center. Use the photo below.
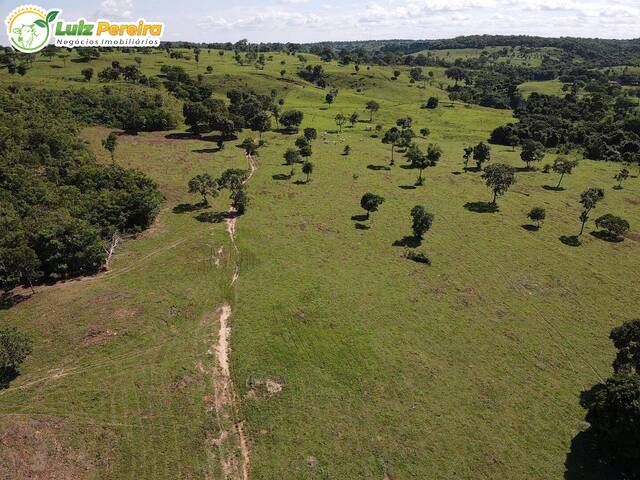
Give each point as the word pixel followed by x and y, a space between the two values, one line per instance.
pixel 232 179
pixel 532 151
pixel 15 347
pixel 421 220
pixel 613 407
pixel 563 166
pixel 615 226
pixel 58 205
pixel 205 185
pixel 307 169
pixel 291 119
pixel 310 133
pixel 499 177
pixel 371 202
pixel 240 200
pixel 481 154
pixel 110 143
pixel 537 214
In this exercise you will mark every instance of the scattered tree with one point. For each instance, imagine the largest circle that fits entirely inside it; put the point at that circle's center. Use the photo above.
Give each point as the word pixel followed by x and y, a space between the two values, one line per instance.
pixel 615 226
pixel 370 202
pixel 499 177
pixel 392 137
pixel 291 119
pixel 87 73
pixel 205 185
pixel 563 166
pixel 621 176
pixel 589 199
pixel 468 152
pixel 353 118
pixel 15 347
pixel 373 107
pixel 421 221
pixel 110 143
pixel 340 120
pixel 532 151
pixel 537 214
pixel 481 154
pixel 307 169
pixel 310 133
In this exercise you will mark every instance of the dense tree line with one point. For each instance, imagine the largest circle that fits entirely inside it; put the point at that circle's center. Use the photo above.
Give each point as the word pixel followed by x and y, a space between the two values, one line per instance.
pixel 605 124
pixel 59 208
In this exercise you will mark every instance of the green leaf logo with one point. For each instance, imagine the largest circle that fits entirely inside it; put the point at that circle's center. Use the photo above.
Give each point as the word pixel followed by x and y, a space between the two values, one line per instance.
pixel 51 16
pixel 40 23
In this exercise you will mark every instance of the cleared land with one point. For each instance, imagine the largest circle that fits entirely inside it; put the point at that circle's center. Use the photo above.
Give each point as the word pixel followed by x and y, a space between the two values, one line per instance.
pixel 470 368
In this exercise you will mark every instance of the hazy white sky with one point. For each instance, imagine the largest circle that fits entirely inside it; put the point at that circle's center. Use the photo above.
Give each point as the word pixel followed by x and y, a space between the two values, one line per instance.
pixel 315 20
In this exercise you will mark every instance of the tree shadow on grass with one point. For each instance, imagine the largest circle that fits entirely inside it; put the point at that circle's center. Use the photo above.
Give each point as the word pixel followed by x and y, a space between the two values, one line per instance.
pixel 189 207
pixel 300 182
pixel 361 226
pixel 482 207
pixel 205 150
pixel 606 236
pixel 456 173
pixel 378 167
pixel 585 462
pixel 10 299
pixel 182 136
pixel 407 187
pixel 280 176
pixel 571 240
pixel 409 241
pixel 213 217
pixel 359 218
pixel 552 188
pixel 530 228
pixel 7 375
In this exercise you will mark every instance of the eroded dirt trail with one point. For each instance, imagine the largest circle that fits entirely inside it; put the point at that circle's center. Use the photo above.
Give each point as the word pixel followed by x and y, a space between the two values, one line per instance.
pixel 231 443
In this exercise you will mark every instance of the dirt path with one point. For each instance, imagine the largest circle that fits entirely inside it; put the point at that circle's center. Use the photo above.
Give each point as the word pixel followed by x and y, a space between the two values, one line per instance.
pixel 232 442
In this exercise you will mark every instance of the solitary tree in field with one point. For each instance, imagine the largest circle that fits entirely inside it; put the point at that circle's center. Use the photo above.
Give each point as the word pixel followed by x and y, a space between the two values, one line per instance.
pixel 537 214
pixel 262 122
pixel 353 118
pixel 499 178
pixel 291 157
pixel 110 143
pixel 563 166
pixel 615 226
pixel 391 137
pixel 621 176
pixel 421 221
pixel 329 98
pixel 421 160
pixel 370 202
pixel 205 185
pixel 424 132
pixel 240 200
pixel 87 73
pixel 291 119
pixel 532 151
pixel 310 133
pixel 468 152
pixel 232 179
pixel 283 72
pixel 340 120
pixel 15 347
pixel 307 169
pixel 373 107
pixel 481 154
pixel 250 147
pixel 589 199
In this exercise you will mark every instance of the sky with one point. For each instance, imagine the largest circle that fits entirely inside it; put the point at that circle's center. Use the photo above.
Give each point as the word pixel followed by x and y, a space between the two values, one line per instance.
pixel 318 20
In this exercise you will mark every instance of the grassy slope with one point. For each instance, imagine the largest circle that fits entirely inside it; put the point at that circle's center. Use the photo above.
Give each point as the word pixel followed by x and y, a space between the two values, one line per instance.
pixel 469 368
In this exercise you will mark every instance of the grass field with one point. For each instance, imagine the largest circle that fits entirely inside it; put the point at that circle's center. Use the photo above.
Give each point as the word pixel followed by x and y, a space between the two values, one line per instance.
pixel 470 368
